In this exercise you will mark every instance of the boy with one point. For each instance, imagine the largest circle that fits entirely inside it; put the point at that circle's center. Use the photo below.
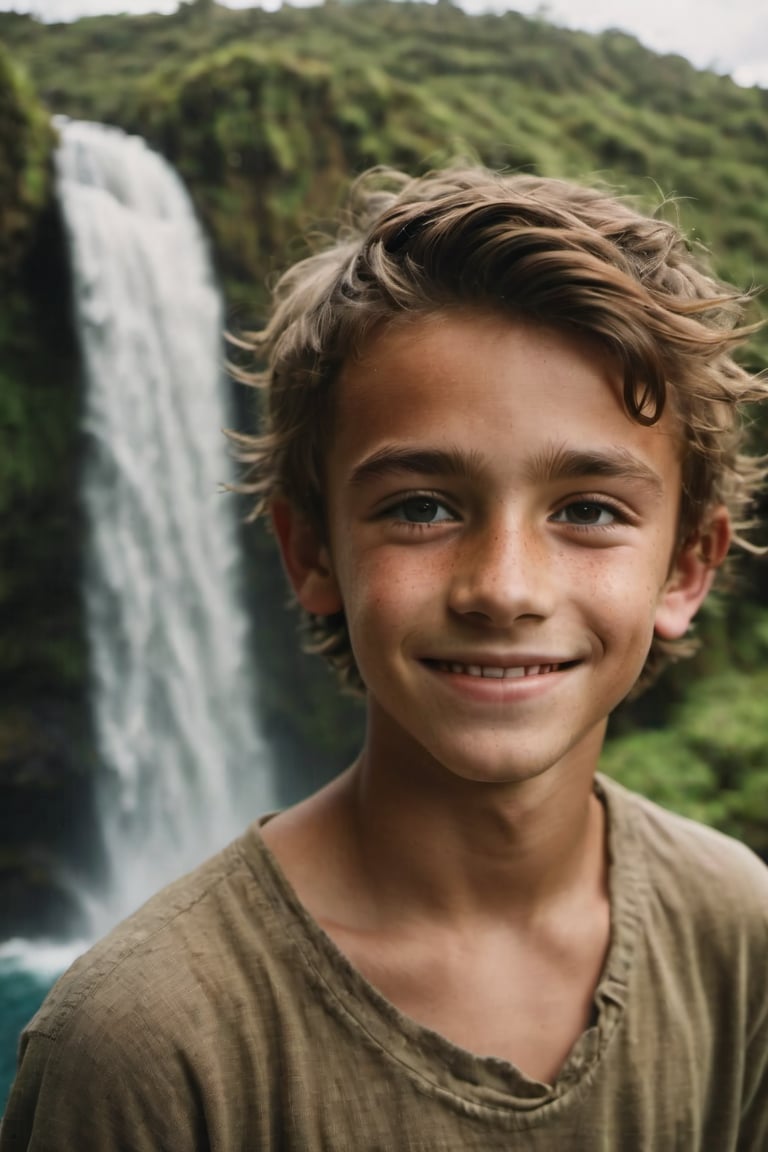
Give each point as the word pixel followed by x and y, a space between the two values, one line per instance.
pixel 502 460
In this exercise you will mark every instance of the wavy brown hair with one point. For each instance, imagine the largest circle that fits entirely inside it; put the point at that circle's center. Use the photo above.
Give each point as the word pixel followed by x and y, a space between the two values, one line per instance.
pixel 576 257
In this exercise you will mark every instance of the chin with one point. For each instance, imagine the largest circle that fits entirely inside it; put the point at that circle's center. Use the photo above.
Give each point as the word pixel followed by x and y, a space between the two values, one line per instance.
pixel 508 772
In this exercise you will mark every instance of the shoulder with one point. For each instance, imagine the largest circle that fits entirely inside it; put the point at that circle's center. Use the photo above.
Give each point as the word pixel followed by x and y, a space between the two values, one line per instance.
pixel 696 902
pixel 130 1036
pixel 680 847
pixel 189 947
pixel 705 892
pixel 173 932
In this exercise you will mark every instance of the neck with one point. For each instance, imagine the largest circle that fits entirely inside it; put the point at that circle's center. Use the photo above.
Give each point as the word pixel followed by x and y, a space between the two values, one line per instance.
pixel 430 843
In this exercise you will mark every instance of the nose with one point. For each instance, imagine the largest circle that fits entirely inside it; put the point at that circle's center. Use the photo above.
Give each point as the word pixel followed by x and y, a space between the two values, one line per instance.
pixel 505 571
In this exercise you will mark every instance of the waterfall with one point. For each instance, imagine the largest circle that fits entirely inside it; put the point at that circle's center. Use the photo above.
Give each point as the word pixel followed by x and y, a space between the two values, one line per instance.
pixel 183 766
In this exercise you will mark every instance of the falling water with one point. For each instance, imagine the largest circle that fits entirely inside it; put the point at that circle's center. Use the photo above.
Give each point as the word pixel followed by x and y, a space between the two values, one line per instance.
pixel 183 764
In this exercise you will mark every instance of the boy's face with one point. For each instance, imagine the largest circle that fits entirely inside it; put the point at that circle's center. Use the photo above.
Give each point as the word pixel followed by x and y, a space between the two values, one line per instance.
pixel 501 539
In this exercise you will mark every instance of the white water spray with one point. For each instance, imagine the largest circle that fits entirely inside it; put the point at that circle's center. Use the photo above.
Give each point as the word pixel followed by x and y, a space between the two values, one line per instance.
pixel 183 765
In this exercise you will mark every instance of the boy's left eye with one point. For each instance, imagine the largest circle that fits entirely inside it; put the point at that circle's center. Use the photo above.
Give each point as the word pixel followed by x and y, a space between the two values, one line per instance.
pixel 421 510
pixel 587 514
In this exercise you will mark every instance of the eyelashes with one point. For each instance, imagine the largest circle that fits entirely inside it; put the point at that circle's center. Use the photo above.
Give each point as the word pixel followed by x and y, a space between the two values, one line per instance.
pixel 420 509
pixel 428 509
pixel 586 513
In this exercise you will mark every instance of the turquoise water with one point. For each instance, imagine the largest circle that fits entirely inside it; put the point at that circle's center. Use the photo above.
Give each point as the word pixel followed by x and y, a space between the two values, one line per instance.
pixel 27 972
pixel 21 994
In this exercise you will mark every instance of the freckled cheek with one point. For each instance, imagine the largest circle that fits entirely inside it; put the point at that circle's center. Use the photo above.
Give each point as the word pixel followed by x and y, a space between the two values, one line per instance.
pixel 618 601
pixel 594 581
pixel 379 597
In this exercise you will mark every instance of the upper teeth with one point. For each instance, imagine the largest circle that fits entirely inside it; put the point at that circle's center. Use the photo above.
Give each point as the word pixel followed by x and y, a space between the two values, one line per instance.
pixel 497 673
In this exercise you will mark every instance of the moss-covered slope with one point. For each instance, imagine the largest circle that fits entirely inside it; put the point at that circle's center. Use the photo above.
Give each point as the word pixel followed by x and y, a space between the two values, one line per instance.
pixel 268 114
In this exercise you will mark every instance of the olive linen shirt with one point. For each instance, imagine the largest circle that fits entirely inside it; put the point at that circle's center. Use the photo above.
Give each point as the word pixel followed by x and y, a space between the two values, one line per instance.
pixel 221 1018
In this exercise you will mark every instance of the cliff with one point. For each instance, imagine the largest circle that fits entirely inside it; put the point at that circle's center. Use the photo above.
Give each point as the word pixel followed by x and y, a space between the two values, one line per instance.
pixel 45 793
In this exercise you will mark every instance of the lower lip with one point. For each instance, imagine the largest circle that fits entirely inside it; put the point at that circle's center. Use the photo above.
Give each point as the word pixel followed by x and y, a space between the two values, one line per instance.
pixel 497 690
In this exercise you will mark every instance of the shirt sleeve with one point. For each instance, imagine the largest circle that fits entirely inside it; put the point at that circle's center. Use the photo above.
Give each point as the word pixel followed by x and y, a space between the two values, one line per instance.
pixel 97 1091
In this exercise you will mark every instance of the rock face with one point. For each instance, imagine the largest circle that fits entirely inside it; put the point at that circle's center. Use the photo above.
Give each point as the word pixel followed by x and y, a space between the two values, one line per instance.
pixel 44 740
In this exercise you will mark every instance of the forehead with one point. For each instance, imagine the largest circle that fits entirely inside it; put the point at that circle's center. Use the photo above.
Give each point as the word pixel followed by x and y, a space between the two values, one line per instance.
pixel 469 376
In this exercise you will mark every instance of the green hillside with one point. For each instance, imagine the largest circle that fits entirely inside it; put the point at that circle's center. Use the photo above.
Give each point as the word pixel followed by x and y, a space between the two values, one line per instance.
pixel 266 114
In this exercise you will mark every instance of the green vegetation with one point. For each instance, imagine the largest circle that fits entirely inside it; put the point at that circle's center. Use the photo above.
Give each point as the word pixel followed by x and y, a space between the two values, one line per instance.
pixel 709 759
pixel 267 116
pixel 25 146
pixel 38 403
pixel 44 756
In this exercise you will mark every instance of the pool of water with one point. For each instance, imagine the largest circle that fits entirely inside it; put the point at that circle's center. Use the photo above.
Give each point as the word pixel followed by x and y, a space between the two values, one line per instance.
pixel 27 971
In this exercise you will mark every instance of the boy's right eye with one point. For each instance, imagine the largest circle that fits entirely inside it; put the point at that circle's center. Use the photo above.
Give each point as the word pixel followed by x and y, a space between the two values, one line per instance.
pixel 421 510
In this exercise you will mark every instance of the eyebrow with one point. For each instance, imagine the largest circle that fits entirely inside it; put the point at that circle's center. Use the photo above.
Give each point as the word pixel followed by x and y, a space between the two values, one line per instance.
pixel 561 463
pixel 432 461
pixel 554 463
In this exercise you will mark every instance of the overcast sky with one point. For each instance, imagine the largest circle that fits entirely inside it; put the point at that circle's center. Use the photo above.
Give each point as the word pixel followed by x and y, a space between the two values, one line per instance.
pixel 728 35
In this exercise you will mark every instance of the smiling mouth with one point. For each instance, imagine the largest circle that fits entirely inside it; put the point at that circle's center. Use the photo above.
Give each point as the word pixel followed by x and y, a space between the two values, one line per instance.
pixel 496 672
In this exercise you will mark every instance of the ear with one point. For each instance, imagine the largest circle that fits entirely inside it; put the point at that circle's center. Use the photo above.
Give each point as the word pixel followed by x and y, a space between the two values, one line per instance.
pixel 306 559
pixel 691 577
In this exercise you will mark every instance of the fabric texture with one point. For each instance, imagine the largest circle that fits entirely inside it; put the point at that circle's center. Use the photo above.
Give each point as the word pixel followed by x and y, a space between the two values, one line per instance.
pixel 220 1017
